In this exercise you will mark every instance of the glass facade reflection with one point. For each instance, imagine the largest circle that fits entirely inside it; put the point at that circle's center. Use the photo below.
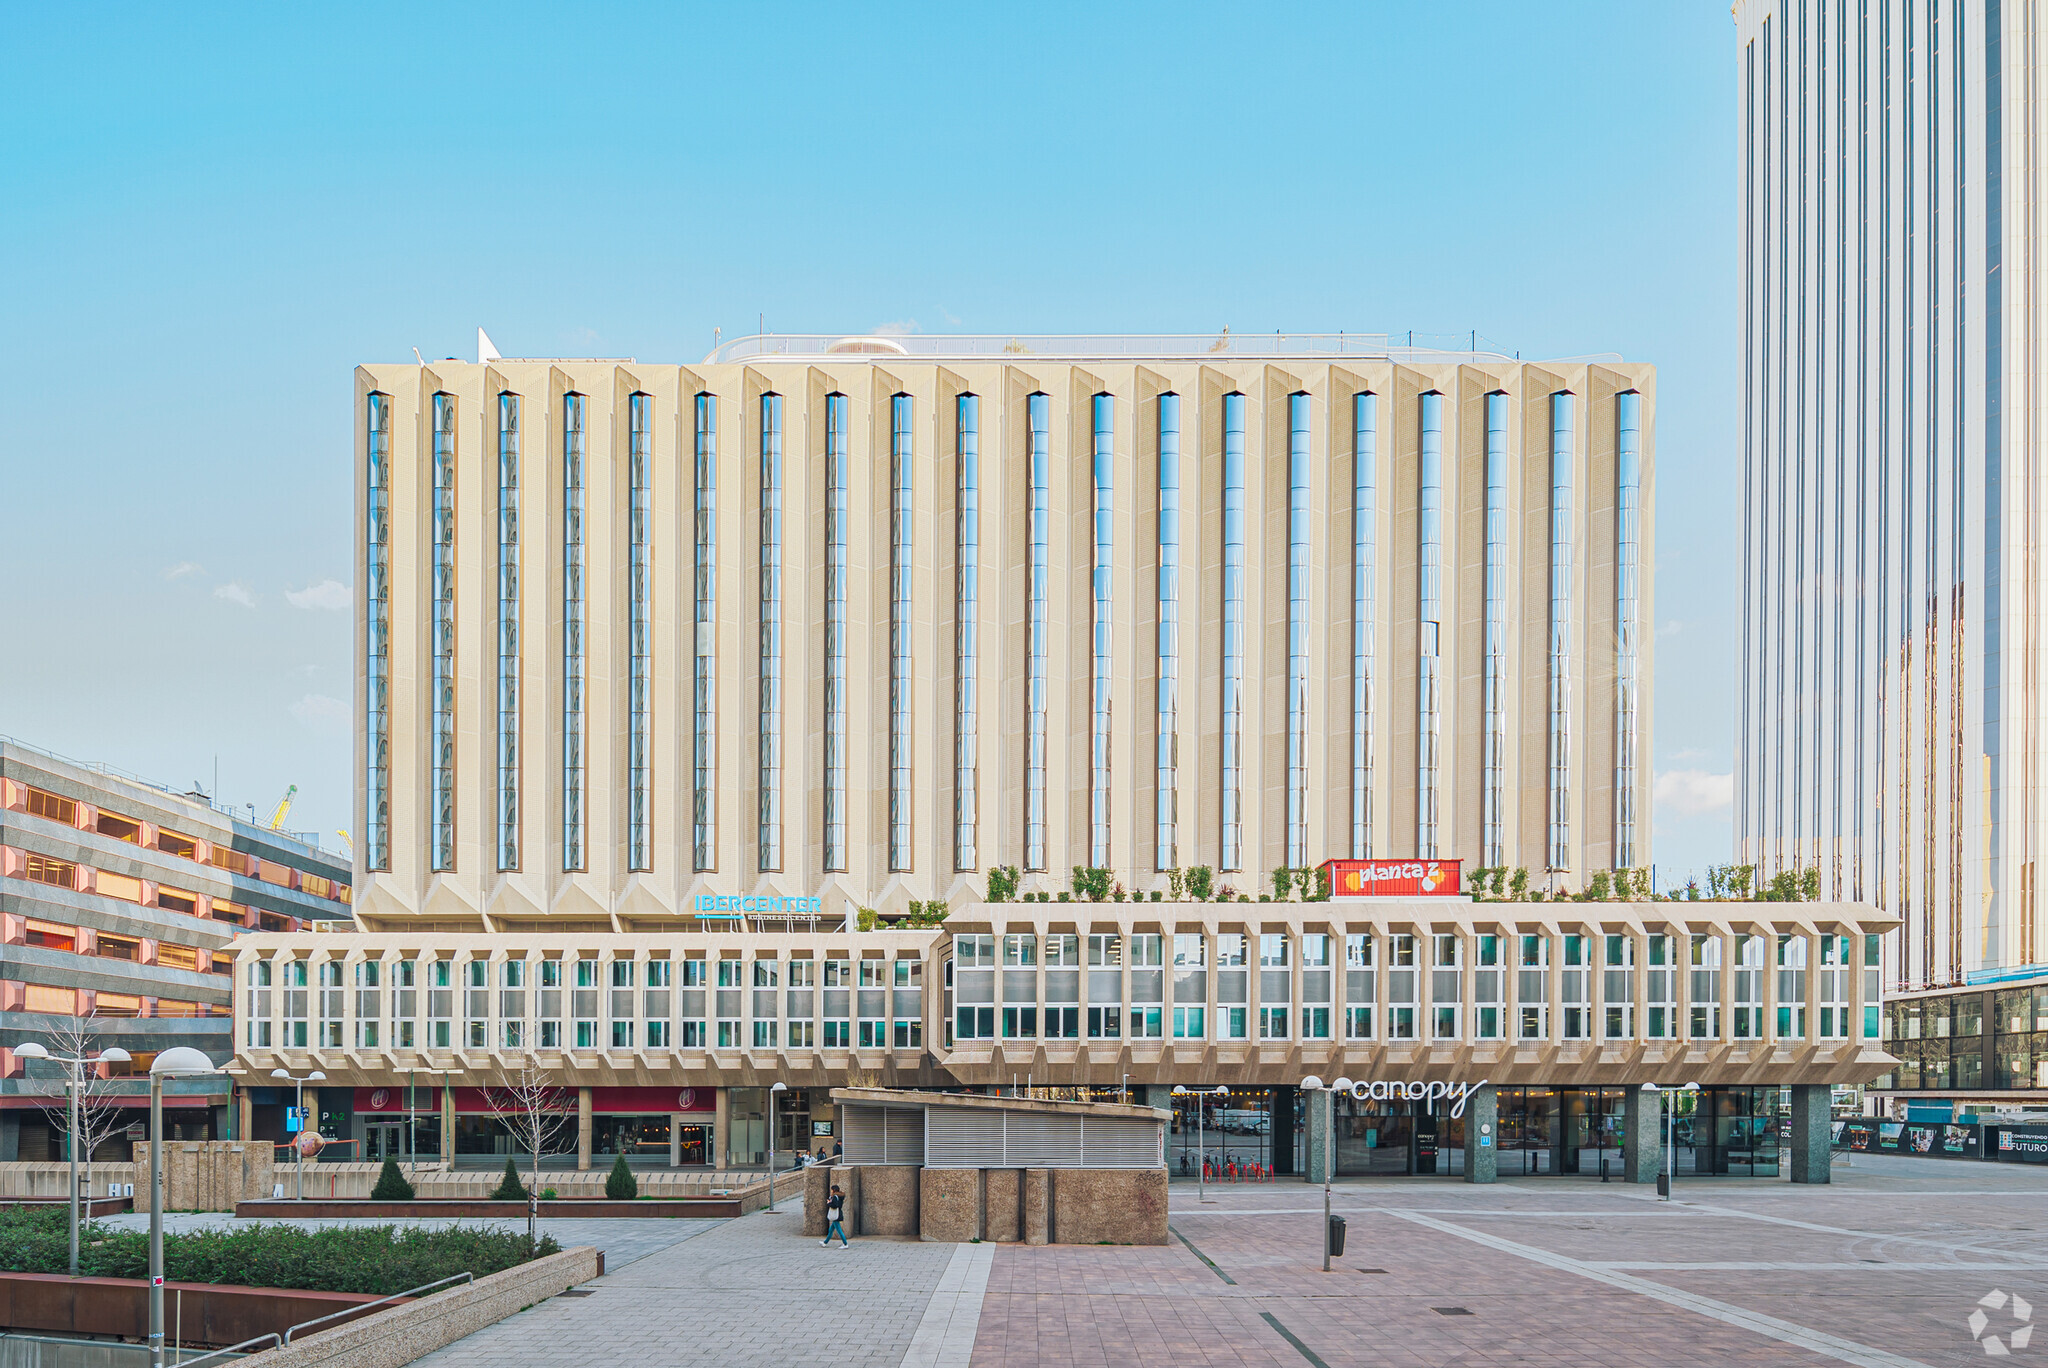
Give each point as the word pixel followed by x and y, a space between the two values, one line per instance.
pixel 768 826
pixel 377 634
pixel 1628 463
pixel 1102 627
pixel 838 477
pixel 1365 444
pixel 508 632
pixel 1429 664
pixel 441 631
pixel 1493 677
pixel 574 625
pixel 1558 836
pixel 902 444
pixel 1166 718
pixel 639 629
pixel 1231 791
pixel 967 631
pixel 1037 627
pixel 1297 628
pixel 704 641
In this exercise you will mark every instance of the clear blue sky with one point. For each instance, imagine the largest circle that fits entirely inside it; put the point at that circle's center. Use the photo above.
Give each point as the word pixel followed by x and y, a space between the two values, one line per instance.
pixel 209 214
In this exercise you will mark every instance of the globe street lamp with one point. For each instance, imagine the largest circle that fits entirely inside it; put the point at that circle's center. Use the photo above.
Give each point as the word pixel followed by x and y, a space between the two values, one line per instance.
pixel 1201 1150
pixel 74 1083
pixel 1670 1123
pixel 181 1061
pixel 299 1146
pixel 1315 1084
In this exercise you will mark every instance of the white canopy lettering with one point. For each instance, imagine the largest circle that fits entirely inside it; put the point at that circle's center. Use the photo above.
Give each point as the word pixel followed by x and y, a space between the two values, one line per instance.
pixel 1390 1090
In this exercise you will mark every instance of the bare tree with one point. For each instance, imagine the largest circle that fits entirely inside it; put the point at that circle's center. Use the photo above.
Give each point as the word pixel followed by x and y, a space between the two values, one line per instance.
pixel 99 1111
pixel 536 1113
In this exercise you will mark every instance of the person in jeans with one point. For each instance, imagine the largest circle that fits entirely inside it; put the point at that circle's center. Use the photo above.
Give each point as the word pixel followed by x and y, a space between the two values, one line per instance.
pixel 835 1217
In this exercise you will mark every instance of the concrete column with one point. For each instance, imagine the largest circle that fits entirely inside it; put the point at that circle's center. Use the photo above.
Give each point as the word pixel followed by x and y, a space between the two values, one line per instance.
pixel 1642 1135
pixel 1158 1095
pixel 583 1128
pixel 1812 1131
pixel 675 1139
pixel 1321 1109
pixel 721 1121
pixel 1037 1206
pixel 1482 1135
pixel 245 1111
pixel 448 1126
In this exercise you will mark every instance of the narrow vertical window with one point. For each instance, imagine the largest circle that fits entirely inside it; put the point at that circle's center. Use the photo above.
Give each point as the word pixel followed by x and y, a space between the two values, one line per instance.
pixel 1167 719
pixel 574 610
pixel 837 477
pixel 901 450
pixel 769 828
pixel 441 636
pixel 1297 629
pixel 377 636
pixel 1365 455
pixel 1429 665
pixel 1628 477
pixel 967 630
pixel 1493 675
pixel 639 626
pixel 508 631
pixel 1232 854
pixel 1562 417
pixel 1038 568
pixel 704 645
pixel 1102 624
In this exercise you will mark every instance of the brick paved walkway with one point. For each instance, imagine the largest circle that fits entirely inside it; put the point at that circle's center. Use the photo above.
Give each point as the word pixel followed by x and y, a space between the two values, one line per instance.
pixel 1882 1269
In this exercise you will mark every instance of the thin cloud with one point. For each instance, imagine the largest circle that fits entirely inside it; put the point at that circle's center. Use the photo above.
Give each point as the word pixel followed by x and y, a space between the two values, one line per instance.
pixel 182 569
pixel 1694 793
pixel 233 592
pixel 329 595
pixel 320 711
pixel 902 327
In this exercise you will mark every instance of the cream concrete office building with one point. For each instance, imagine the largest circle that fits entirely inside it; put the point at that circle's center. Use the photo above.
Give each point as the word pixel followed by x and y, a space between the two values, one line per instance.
pixel 857 620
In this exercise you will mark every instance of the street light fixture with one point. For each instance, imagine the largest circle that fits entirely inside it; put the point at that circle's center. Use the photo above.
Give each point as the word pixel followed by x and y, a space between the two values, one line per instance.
pixel 1313 1083
pixel 299 1182
pixel 772 1138
pixel 180 1061
pixel 1670 1174
pixel 74 1083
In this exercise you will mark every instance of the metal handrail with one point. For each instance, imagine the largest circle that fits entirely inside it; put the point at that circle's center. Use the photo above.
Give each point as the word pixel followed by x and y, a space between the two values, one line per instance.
pixel 216 1353
pixel 356 1310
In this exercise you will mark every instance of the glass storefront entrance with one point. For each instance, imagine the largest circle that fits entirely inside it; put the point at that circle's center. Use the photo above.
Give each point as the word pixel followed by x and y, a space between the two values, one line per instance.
pixel 1246 1132
pixel 1560 1130
pixel 1733 1131
pixel 1398 1137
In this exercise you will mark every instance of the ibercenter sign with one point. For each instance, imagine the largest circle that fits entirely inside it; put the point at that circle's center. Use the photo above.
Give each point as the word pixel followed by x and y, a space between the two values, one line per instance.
pixel 1389 1090
pixel 765 904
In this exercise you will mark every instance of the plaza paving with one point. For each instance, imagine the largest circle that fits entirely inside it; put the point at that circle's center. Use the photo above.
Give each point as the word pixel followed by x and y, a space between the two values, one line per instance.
pixel 1881 1269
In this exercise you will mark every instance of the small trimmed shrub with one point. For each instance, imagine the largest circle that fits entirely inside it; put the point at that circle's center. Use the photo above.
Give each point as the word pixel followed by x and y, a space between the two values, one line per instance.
pixel 511 1190
pixel 547 1194
pixel 391 1184
pixel 620 1185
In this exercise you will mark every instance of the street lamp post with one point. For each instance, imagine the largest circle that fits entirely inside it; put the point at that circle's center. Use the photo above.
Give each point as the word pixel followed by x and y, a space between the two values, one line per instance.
pixel 180 1061
pixel 74 1082
pixel 1201 1096
pixel 299 1181
pixel 772 1138
pixel 1315 1084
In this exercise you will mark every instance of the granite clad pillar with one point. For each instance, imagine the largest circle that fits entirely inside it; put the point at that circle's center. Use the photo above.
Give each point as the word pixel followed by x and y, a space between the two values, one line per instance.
pixel 583 1128
pixel 448 1127
pixel 1812 1133
pixel 1321 1107
pixel 1642 1135
pixel 1482 1135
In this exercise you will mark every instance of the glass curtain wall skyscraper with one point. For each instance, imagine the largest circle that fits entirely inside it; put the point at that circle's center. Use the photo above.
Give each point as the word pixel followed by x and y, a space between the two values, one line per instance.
pixel 987 609
pixel 1889 703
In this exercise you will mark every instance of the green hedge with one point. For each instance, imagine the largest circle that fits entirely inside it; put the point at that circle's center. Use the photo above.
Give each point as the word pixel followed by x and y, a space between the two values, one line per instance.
pixel 379 1260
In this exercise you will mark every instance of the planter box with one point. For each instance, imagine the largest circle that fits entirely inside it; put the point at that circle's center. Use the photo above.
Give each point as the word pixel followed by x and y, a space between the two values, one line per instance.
pixel 212 1314
pixel 650 1208
pixel 98 1206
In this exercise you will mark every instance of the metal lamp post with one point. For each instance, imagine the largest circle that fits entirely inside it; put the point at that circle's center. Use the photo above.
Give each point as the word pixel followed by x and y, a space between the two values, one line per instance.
pixel 1315 1084
pixel 74 1082
pixel 180 1061
pixel 299 1181
pixel 772 1137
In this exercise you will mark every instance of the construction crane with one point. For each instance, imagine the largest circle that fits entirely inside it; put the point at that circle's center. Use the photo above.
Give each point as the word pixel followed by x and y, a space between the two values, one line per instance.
pixel 346 843
pixel 284 807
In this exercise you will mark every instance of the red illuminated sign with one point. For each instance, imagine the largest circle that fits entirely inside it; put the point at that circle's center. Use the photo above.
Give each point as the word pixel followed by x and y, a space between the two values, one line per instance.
pixel 1392 878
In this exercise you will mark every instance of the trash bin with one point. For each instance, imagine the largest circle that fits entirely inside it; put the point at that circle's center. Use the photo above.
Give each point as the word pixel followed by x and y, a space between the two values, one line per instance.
pixel 1663 1185
pixel 1336 1237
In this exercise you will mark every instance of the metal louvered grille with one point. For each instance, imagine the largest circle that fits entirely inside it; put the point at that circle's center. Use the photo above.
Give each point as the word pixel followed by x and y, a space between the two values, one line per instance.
pixel 1041 1140
pixel 878 1135
pixel 961 1137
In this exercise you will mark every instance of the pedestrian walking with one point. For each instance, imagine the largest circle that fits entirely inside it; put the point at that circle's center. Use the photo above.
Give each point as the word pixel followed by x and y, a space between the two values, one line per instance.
pixel 835 1217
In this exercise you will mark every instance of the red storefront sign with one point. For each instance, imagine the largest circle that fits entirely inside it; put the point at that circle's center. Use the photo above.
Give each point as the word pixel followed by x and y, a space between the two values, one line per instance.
pixel 603 1101
pixel 1392 878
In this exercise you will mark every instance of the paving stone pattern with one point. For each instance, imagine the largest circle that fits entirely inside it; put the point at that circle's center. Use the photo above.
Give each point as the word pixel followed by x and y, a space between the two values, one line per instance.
pixel 623 1241
pixel 754 1291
